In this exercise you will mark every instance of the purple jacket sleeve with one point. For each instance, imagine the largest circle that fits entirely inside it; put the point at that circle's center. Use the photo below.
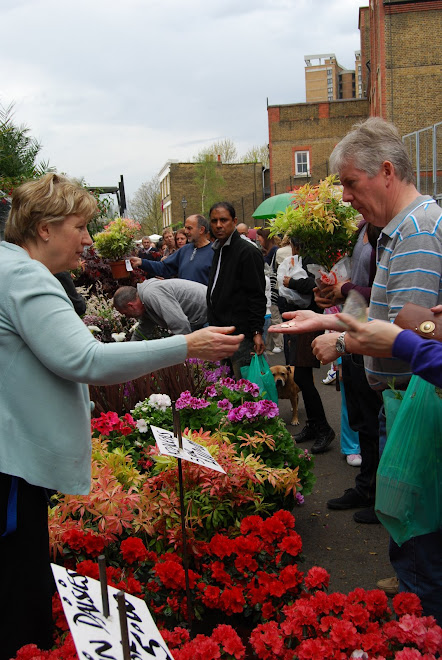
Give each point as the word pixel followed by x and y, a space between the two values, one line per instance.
pixel 363 290
pixel 424 355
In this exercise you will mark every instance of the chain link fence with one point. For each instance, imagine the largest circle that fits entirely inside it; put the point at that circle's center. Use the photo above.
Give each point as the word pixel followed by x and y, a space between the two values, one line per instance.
pixel 425 150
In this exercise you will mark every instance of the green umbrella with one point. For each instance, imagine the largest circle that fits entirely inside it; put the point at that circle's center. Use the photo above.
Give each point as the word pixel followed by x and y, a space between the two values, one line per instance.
pixel 273 205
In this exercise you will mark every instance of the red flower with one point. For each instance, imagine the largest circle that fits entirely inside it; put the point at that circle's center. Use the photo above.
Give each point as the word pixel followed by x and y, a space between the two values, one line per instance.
pixel 248 544
pixel 286 518
pixel 134 586
pixel 133 549
pixel 229 640
pixel 251 525
pixel 344 634
pixel 221 547
pixel 267 610
pixel 290 576
pixel 172 575
pixel 291 544
pixel 175 637
pixel 245 563
pixel 219 574
pixel 74 539
pixel 357 614
pixel 210 595
pixel 407 603
pixel 88 568
pixel 93 544
pixel 232 600
pixel 317 578
pixel 267 641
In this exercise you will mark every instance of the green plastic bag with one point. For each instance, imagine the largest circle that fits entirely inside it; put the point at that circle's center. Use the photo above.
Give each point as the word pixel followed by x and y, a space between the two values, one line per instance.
pixel 392 401
pixel 409 477
pixel 258 372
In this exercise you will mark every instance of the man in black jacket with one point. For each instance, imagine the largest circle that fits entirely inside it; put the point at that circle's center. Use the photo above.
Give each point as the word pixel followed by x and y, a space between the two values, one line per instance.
pixel 236 287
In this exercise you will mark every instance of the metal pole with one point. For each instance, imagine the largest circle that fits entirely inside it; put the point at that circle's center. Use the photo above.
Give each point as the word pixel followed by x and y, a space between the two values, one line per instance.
pixel 123 625
pixel 103 584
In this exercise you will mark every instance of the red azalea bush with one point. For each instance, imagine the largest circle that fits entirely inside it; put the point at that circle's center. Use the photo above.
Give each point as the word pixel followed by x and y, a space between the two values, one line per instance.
pixel 336 626
pixel 253 579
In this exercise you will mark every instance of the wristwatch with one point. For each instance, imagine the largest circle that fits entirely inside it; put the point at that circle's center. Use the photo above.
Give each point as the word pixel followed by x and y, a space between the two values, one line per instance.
pixel 340 344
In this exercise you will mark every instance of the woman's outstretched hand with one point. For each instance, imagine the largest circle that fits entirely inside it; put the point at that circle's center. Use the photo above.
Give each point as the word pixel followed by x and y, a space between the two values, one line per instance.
pixel 213 343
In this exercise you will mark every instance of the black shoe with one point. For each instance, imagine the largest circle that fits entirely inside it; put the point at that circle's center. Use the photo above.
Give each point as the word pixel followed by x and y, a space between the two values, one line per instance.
pixel 324 437
pixel 308 433
pixel 366 516
pixel 350 500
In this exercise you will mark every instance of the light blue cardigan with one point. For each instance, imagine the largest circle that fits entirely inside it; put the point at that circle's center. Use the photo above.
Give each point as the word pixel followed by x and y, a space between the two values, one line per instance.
pixel 47 355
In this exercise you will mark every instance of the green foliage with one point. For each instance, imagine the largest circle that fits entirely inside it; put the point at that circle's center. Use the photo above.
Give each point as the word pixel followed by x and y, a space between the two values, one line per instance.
pixel 257 155
pixel 209 181
pixel 225 149
pixel 18 153
pixel 321 221
pixel 117 240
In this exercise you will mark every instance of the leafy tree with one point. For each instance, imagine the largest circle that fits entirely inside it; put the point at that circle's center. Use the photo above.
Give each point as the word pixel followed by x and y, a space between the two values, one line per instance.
pixel 257 155
pixel 145 207
pixel 226 149
pixel 18 150
pixel 209 182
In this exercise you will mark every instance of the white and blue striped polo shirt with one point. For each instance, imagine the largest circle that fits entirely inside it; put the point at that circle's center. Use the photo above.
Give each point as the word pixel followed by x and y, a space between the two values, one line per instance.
pixel 409 269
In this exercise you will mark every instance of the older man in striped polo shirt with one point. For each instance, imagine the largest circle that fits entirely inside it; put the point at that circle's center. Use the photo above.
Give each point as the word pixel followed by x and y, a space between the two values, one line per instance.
pixel 377 176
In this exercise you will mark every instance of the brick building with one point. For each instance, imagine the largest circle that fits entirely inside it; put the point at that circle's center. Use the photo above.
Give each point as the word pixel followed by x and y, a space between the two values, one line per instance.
pixel 399 73
pixel 327 80
pixel 302 137
pixel 405 62
pixel 241 184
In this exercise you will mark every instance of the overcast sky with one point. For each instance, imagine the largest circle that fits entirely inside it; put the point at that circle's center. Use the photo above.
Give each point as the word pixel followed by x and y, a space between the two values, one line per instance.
pixel 114 87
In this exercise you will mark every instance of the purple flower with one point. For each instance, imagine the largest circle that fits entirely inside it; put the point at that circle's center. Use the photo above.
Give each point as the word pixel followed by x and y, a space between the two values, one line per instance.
pixel 210 391
pixel 299 498
pixel 186 400
pixel 228 382
pixel 247 386
pixel 224 404
pixel 251 410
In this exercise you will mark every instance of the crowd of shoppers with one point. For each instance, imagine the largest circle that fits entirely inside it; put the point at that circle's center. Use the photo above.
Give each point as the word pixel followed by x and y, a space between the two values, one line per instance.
pixel 207 273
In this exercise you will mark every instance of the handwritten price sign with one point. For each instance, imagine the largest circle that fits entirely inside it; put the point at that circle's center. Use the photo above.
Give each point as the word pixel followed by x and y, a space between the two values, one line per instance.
pixel 191 451
pixel 96 636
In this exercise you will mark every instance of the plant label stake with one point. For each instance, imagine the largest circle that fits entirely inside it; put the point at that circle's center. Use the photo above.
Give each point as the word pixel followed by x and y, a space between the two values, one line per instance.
pixel 177 433
pixel 103 584
pixel 123 624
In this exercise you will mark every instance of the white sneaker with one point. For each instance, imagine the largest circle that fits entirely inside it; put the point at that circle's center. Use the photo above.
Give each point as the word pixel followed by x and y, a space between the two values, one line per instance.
pixel 330 377
pixel 277 350
pixel 354 460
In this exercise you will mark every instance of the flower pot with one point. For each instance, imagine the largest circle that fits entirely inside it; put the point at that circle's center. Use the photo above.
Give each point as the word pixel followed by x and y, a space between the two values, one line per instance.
pixel 118 269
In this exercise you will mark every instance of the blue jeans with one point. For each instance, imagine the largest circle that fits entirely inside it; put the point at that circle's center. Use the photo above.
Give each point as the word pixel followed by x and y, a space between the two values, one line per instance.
pixel 349 438
pixel 418 562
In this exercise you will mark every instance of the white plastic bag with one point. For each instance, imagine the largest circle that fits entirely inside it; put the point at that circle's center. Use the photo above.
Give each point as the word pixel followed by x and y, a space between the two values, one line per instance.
pixel 292 267
pixel 339 273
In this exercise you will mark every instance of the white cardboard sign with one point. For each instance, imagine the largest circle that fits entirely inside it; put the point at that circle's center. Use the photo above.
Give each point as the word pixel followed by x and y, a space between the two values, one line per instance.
pixel 191 451
pixel 96 636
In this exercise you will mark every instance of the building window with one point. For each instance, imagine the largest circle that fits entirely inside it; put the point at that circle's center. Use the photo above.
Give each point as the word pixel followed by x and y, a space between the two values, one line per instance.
pixel 302 163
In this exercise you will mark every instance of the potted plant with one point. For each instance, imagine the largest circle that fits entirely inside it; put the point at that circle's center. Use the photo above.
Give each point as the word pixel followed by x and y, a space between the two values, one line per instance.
pixel 116 242
pixel 321 221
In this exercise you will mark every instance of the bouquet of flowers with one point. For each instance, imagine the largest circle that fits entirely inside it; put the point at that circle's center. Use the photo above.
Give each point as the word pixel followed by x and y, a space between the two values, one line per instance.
pixel 322 223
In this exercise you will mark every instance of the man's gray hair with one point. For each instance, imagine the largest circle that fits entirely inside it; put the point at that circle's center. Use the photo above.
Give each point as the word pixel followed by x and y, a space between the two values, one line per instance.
pixel 123 296
pixel 368 145
pixel 203 222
